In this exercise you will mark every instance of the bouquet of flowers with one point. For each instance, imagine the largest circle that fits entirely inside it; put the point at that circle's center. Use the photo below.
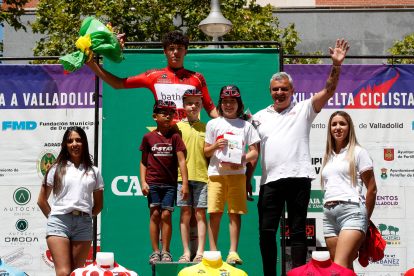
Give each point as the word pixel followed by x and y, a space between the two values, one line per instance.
pixel 100 39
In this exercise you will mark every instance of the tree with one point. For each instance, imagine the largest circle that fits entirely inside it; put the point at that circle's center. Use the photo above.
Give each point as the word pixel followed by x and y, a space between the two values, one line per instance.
pixel 396 229
pixel 11 12
pixel 149 20
pixel 403 47
pixel 382 227
pixel 390 228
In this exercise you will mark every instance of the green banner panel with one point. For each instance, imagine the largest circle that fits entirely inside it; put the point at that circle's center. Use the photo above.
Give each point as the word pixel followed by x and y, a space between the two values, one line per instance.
pixel 127 116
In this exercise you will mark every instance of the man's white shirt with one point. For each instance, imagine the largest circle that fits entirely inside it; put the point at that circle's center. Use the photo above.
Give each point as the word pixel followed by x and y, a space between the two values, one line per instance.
pixel 284 144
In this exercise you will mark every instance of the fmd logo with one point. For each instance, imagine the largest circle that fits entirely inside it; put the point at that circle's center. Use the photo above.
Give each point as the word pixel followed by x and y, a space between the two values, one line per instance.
pixel 16 125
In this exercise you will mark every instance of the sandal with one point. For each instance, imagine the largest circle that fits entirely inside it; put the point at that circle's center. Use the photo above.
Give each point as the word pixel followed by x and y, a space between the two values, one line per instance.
pixel 184 259
pixel 198 258
pixel 166 257
pixel 155 257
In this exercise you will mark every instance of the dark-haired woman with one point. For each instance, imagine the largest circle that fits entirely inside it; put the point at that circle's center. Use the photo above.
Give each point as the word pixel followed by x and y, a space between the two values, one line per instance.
pixel 73 180
pixel 346 168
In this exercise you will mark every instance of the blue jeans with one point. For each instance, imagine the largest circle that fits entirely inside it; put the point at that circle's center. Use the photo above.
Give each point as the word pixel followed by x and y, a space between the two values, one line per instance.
pixel 163 196
pixel 197 197
pixel 74 228
pixel 343 216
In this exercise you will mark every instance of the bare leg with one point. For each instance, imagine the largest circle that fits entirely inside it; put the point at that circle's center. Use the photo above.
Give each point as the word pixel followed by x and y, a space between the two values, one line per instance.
pixel 185 217
pixel 200 214
pixel 349 242
pixel 331 244
pixel 60 250
pixel 155 218
pixel 235 226
pixel 213 229
pixel 166 230
pixel 80 251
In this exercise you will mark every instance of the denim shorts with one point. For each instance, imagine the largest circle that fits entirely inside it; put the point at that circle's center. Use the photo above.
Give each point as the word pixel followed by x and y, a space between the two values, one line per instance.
pixel 163 196
pixel 344 216
pixel 198 192
pixel 74 228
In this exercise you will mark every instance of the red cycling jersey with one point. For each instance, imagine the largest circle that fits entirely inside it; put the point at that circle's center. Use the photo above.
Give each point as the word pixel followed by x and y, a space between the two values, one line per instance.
pixel 168 85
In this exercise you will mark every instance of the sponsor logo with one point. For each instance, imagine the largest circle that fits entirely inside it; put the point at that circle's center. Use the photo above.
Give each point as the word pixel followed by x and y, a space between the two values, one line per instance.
pixel 201 271
pixel 388 260
pixel 291 113
pixel 162 149
pixel 384 173
pixel 385 200
pixel 164 76
pixel 164 81
pixel 310 232
pixel 22 236
pixel 123 188
pixel 405 154
pixel 388 154
pixel 16 125
pixel 320 125
pixel 316 201
pixel 21 196
pixel 44 161
pixel 22 225
pixel 392 237
pixel 17 258
pixel 381 125
pixel 317 162
pixel 171 97
pixel 185 79
pixel 47 258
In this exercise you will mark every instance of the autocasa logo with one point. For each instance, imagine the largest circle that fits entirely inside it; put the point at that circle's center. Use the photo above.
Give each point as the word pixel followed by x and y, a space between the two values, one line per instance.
pixel 389 234
pixel 388 260
pixel 388 154
pixel 384 173
pixel 21 196
pixel 44 161
pixel 47 258
pixel 22 225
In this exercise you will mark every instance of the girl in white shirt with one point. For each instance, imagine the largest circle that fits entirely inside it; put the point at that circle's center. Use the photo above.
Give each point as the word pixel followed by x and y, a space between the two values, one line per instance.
pixel 346 167
pixel 227 181
pixel 73 179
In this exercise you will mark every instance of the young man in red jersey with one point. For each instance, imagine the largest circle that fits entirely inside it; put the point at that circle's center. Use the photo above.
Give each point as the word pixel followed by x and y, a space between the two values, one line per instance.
pixel 167 84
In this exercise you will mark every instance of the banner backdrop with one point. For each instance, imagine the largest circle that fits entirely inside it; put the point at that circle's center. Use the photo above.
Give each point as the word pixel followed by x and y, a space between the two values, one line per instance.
pixel 128 116
pixel 37 104
pixel 380 100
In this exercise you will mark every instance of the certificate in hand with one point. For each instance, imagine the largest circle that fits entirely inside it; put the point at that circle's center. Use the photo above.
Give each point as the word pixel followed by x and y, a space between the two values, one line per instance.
pixel 234 150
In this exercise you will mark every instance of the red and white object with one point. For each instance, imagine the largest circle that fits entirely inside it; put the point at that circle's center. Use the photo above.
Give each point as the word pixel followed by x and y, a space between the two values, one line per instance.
pixel 103 270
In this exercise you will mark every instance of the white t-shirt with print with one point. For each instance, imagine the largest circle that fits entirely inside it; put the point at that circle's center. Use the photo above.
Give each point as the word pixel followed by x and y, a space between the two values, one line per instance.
pixel 284 144
pixel 337 179
pixel 217 128
pixel 76 191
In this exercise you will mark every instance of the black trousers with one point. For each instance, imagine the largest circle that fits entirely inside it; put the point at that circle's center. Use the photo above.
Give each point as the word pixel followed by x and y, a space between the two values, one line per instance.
pixel 272 197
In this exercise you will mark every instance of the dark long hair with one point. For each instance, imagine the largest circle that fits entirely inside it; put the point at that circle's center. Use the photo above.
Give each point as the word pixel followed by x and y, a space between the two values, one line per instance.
pixel 63 157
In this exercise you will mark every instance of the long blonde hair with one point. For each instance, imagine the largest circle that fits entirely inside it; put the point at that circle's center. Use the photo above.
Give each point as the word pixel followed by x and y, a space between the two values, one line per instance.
pixel 351 144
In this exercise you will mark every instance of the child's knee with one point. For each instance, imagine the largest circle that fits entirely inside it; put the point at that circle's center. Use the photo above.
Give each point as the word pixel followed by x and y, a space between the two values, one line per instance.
pixel 186 212
pixel 166 215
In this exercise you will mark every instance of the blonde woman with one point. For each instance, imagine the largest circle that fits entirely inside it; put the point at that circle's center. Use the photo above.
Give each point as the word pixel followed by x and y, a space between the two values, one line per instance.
pixel 346 167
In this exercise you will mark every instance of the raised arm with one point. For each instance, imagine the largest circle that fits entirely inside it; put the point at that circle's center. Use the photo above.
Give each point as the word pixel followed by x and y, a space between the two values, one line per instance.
pixel 338 56
pixel 107 77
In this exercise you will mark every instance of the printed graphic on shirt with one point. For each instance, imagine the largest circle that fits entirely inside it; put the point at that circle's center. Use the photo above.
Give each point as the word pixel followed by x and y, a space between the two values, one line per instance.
pixel 162 149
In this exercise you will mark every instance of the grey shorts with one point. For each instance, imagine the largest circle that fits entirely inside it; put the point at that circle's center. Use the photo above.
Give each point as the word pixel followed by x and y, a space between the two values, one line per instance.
pixel 74 228
pixel 344 216
pixel 198 192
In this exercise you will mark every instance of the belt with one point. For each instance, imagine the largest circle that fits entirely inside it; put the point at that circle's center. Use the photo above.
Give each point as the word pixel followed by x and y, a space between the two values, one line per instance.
pixel 78 213
pixel 333 203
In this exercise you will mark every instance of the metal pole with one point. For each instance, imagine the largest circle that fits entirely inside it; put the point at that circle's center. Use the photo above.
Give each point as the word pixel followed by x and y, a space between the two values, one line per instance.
pixel 95 154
